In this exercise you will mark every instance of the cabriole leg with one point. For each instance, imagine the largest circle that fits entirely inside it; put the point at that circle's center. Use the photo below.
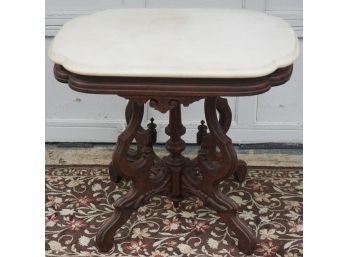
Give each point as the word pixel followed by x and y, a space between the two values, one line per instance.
pixel 214 168
pixel 136 170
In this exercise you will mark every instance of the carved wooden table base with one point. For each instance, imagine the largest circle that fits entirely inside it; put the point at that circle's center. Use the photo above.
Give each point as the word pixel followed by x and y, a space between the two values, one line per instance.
pixel 175 175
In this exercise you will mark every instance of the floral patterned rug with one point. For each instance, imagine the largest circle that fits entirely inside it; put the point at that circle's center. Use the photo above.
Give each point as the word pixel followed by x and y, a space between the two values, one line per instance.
pixel 79 199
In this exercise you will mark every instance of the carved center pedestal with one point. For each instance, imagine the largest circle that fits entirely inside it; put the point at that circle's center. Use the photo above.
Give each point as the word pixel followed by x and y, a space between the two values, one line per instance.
pixel 175 175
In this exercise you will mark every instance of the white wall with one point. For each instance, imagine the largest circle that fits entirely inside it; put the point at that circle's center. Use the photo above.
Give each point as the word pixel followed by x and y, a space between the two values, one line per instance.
pixel 275 116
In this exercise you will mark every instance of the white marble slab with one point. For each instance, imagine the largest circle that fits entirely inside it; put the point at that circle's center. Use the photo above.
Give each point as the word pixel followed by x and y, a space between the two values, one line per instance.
pixel 215 43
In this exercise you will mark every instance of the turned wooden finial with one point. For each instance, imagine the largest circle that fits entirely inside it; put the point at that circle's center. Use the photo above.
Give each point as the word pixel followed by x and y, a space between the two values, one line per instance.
pixel 152 129
pixel 202 131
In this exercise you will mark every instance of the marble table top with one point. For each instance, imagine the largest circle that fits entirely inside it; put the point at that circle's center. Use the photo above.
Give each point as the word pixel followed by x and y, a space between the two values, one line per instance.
pixel 188 43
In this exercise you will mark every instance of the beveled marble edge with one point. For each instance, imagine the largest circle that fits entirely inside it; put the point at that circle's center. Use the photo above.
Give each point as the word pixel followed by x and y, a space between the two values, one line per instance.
pixel 81 69
pixel 139 72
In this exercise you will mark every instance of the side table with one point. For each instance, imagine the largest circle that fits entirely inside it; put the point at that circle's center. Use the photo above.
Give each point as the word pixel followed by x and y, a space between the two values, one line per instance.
pixel 171 58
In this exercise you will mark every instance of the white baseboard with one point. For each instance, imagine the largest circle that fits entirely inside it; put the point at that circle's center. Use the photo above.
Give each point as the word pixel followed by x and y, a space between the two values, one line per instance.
pixel 107 132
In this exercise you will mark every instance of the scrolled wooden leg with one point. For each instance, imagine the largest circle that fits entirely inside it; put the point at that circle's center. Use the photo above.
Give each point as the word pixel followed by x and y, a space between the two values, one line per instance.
pixel 133 154
pixel 144 138
pixel 225 120
pixel 225 113
pixel 137 171
pixel 212 174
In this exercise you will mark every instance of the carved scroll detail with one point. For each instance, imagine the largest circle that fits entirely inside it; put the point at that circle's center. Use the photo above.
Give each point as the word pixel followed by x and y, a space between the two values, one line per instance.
pixel 213 171
pixel 176 175
pixel 137 171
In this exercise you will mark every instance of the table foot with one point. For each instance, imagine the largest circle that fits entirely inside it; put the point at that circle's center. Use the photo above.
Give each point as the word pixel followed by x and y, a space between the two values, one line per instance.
pixel 105 235
pixel 142 190
pixel 246 239
pixel 114 177
pixel 223 205
pixel 241 171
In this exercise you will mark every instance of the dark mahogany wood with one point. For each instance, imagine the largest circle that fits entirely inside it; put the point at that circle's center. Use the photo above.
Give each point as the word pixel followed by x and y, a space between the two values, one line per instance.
pixel 175 145
pixel 138 171
pixel 145 87
pixel 142 139
pixel 114 177
pixel 175 175
pixel 241 171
